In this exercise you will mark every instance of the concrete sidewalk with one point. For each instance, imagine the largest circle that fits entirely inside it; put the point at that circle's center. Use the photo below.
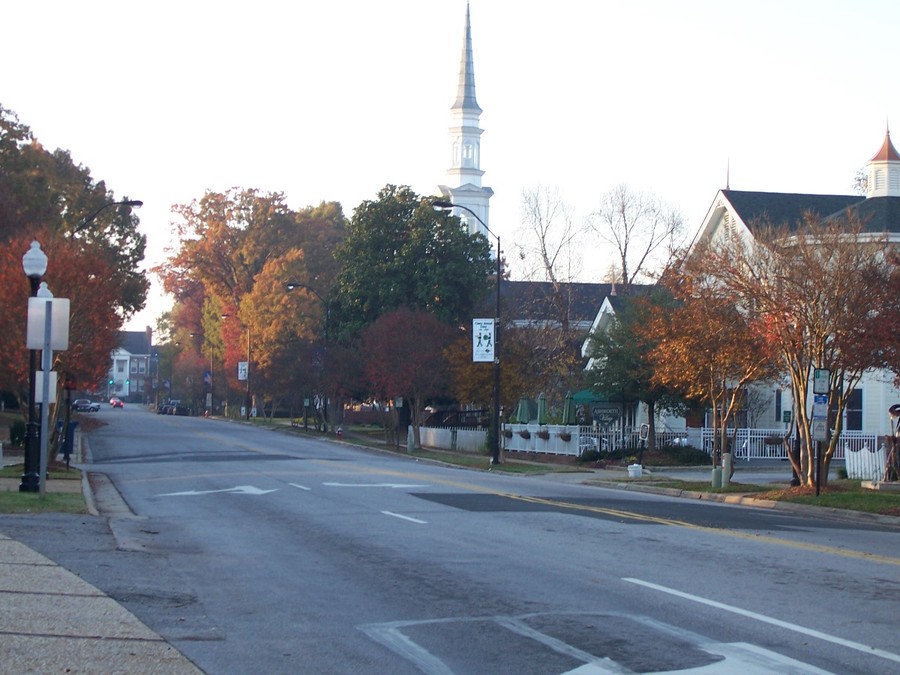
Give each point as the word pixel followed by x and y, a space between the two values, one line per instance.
pixel 52 621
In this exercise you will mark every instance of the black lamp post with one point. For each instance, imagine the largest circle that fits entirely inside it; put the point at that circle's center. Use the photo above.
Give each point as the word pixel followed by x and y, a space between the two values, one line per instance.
pixel 444 205
pixel 211 408
pixel 34 262
pixel 249 399
pixel 291 286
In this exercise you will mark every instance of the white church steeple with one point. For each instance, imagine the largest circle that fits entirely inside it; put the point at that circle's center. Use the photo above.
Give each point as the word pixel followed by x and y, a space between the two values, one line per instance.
pixel 883 171
pixel 464 175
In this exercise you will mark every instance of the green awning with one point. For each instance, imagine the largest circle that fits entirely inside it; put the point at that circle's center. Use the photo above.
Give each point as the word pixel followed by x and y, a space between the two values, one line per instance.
pixel 588 396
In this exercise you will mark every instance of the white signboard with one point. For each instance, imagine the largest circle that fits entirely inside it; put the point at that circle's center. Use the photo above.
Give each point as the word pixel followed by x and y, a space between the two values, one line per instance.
pixel 243 370
pixel 821 381
pixel 59 323
pixel 483 338
pixel 39 386
pixel 819 429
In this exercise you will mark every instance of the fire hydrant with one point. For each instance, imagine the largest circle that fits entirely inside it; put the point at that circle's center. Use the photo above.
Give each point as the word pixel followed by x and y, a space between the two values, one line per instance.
pixel 340 433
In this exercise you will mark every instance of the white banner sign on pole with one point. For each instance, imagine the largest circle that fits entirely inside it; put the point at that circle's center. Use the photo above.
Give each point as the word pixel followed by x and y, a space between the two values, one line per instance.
pixel 243 370
pixel 483 340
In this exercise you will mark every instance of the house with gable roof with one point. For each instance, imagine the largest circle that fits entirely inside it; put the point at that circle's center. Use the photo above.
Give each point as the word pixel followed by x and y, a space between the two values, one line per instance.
pixel 735 213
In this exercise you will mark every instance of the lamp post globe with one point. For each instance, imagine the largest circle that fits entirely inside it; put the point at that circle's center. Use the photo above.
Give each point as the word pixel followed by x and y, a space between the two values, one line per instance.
pixel 34 263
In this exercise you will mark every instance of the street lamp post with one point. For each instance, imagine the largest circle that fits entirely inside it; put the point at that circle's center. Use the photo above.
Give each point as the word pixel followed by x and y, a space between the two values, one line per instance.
pixel 248 372
pixel 249 343
pixel 291 286
pixel 444 205
pixel 211 407
pixel 34 262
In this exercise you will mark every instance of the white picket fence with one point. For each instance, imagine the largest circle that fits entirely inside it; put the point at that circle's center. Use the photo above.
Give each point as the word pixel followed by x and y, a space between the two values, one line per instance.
pixel 865 463
pixel 863 455
pixel 460 439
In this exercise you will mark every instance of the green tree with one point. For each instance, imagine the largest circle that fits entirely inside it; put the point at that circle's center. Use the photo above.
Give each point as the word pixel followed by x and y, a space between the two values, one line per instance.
pixel 399 252
pixel 623 362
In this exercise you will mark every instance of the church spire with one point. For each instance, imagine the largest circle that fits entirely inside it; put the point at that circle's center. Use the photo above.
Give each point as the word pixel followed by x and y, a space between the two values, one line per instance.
pixel 464 175
pixel 465 93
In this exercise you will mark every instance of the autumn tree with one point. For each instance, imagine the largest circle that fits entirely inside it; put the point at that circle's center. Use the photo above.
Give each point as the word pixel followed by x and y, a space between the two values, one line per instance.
pixel 706 347
pixel 86 279
pixel 825 293
pixel 473 383
pixel 640 228
pixel 404 352
pixel 47 191
pixel 400 252
pixel 241 248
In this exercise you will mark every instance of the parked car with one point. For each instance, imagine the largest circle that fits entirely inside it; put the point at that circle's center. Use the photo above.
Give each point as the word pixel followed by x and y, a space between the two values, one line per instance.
pixel 116 403
pixel 85 405
pixel 171 407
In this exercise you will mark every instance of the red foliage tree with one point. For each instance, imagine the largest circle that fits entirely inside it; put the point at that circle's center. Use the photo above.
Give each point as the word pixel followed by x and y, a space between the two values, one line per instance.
pixel 405 357
pixel 84 276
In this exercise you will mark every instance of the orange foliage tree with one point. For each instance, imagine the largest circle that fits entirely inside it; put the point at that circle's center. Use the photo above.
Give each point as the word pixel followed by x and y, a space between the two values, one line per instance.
pixel 706 348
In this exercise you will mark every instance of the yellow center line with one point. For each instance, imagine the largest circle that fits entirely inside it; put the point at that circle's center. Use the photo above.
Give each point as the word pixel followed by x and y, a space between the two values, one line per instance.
pixel 817 548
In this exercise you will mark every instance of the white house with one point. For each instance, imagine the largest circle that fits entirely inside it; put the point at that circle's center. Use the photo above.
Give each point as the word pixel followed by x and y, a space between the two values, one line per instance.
pixel 129 376
pixel 735 213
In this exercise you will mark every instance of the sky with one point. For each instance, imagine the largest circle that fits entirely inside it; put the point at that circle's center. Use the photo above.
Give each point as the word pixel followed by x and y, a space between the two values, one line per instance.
pixel 331 101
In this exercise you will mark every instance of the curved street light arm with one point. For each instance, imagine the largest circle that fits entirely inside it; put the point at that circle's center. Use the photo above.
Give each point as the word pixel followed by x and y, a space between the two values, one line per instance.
pixel 133 203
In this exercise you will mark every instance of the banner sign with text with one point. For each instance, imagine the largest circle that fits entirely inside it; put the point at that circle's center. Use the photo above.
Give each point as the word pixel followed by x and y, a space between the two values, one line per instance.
pixel 483 340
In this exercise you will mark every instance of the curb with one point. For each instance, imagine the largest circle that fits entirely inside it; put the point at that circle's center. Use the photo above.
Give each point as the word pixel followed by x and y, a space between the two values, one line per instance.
pixel 746 500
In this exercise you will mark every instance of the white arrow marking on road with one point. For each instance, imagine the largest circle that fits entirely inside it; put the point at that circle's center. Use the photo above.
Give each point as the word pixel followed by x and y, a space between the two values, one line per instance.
pixel 412 520
pixel 299 487
pixel 387 485
pixel 239 489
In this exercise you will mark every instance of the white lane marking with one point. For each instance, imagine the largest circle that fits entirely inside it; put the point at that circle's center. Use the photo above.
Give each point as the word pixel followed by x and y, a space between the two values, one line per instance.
pixel 387 485
pixel 238 489
pixel 412 520
pixel 866 649
pixel 299 487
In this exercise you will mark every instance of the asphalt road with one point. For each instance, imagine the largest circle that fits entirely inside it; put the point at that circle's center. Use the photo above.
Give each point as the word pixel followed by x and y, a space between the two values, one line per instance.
pixel 257 551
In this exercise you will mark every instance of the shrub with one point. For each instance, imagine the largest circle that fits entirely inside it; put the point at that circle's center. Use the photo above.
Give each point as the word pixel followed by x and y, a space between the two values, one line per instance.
pixel 589 456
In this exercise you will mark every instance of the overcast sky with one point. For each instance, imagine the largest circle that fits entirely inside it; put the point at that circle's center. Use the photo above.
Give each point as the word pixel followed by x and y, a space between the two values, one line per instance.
pixel 332 100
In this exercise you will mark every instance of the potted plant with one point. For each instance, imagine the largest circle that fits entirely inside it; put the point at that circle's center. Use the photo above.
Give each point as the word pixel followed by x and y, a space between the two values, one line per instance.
pixel 507 433
pixel 544 434
pixel 565 436
pixel 524 433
